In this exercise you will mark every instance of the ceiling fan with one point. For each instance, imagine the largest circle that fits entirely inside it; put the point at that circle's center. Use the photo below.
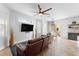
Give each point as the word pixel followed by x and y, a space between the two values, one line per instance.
pixel 44 11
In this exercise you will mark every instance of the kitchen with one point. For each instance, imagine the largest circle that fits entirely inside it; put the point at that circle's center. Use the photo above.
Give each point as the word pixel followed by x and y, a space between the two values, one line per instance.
pixel 73 32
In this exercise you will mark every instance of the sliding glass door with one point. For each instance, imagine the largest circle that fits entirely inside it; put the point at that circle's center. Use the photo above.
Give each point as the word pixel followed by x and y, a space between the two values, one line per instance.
pixel 2 30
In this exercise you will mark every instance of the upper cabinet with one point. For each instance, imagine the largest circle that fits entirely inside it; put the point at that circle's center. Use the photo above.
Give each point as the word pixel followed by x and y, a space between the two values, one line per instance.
pixel 74 25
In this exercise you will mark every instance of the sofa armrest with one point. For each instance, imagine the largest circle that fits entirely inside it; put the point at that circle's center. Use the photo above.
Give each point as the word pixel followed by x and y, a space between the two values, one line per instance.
pixel 21 49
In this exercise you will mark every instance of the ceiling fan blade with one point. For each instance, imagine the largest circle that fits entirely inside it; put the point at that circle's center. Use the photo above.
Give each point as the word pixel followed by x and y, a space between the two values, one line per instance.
pixel 39 8
pixel 46 10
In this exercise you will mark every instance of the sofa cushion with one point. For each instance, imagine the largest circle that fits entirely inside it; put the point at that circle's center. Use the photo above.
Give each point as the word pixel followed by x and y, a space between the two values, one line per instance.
pixel 22 46
pixel 33 40
pixel 43 36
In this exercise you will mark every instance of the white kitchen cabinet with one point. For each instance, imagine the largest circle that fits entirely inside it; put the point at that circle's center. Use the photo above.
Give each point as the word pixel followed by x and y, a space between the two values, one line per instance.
pixel 78 41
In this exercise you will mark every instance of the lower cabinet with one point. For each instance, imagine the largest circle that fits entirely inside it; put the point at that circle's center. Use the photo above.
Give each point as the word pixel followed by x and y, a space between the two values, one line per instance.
pixel 72 36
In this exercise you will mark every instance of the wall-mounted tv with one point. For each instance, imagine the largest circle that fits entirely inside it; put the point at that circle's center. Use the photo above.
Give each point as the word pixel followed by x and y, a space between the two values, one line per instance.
pixel 26 27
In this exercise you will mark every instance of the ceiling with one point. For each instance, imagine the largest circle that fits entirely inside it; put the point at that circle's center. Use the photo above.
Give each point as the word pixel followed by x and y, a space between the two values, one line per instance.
pixel 59 11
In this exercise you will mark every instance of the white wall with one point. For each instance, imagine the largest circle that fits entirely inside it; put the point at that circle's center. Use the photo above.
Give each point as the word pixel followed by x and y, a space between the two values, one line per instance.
pixel 4 16
pixel 64 23
pixel 16 19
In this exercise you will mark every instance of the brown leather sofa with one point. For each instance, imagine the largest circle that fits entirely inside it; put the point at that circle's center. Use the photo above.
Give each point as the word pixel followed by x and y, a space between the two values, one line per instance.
pixel 32 47
pixel 45 42
pixel 21 48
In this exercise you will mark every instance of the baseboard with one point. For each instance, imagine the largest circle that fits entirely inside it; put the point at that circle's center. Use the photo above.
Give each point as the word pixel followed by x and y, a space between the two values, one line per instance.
pixel 2 48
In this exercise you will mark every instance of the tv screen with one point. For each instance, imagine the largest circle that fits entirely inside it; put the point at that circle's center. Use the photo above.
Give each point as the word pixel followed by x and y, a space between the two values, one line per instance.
pixel 26 27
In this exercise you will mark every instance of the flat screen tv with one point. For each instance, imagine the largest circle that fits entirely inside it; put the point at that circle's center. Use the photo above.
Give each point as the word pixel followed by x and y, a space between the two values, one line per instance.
pixel 26 27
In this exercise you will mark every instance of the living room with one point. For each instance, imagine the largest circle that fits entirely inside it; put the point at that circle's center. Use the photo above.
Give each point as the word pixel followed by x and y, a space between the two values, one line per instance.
pixel 22 22
pixel 14 18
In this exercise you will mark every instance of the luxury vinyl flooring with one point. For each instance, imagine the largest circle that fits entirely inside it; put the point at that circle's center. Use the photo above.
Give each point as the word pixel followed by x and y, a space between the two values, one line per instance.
pixel 5 52
pixel 61 47
pixel 58 47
